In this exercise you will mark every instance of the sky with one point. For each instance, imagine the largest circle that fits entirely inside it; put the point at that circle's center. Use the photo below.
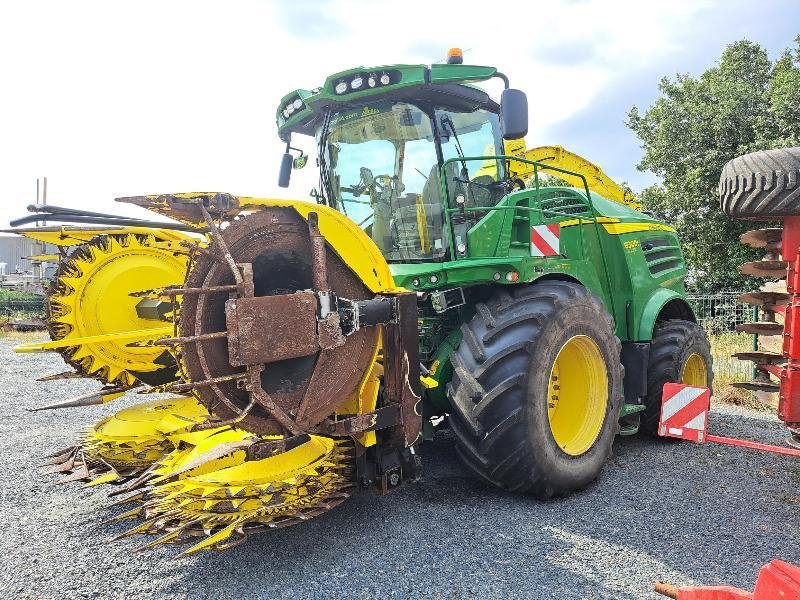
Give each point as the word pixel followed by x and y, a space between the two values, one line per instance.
pixel 124 98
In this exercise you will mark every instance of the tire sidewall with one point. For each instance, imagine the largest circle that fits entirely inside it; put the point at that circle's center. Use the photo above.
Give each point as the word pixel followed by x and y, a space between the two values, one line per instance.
pixel 564 470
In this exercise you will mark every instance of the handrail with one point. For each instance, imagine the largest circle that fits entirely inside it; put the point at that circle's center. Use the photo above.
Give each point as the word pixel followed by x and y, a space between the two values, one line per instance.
pixel 536 166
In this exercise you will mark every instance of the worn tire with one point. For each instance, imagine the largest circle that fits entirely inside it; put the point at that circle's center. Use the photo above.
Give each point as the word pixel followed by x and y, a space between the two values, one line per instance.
pixel 499 390
pixel 674 341
pixel 762 185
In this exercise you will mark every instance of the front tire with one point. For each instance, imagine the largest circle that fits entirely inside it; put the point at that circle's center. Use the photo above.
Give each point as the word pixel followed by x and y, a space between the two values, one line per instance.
pixel 537 389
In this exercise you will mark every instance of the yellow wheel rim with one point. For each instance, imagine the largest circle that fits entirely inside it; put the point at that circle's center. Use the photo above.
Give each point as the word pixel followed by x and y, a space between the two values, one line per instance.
pixel 694 371
pixel 577 395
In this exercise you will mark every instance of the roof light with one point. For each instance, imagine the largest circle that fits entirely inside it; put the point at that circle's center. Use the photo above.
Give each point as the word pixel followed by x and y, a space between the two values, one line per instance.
pixel 298 104
pixel 455 56
pixel 285 113
pixel 357 82
pixel 371 81
pixel 385 79
pixel 289 108
pixel 341 87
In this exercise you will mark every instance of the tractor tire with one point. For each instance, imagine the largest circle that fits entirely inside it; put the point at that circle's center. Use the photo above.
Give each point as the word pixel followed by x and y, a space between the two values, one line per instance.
pixel 507 412
pixel 679 353
pixel 762 185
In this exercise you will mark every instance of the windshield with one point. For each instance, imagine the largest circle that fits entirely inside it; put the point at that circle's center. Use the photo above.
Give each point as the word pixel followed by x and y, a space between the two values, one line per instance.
pixel 465 134
pixel 383 173
pixel 384 176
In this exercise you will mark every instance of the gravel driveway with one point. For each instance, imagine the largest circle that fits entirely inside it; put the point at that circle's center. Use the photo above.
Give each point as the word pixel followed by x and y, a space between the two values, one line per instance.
pixel 675 511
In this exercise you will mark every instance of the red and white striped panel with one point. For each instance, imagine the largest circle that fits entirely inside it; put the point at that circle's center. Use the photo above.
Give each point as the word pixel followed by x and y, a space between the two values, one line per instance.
pixel 545 240
pixel 684 411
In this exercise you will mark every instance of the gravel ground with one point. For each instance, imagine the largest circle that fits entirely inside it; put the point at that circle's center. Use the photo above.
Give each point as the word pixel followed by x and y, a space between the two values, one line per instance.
pixel 675 511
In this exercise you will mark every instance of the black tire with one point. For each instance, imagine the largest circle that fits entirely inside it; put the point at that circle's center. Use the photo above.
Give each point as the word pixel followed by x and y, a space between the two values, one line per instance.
pixel 499 389
pixel 762 185
pixel 674 341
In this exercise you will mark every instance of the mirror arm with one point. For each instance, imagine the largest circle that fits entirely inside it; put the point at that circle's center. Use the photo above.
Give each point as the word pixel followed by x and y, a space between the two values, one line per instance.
pixel 501 76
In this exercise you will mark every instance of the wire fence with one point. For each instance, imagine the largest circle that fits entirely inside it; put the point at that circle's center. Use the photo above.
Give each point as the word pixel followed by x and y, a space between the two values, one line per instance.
pixel 719 314
pixel 17 307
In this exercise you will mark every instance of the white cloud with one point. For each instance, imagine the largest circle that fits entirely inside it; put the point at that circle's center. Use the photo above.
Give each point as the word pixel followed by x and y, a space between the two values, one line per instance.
pixel 111 99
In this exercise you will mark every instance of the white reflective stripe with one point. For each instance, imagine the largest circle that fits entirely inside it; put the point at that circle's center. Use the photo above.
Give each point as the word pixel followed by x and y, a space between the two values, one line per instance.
pixel 675 431
pixel 698 423
pixel 678 401
pixel 548 236
pixel 535 251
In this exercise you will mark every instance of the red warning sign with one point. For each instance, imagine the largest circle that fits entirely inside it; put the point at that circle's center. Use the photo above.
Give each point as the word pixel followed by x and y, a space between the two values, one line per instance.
pixel 684 412
pixel 545 240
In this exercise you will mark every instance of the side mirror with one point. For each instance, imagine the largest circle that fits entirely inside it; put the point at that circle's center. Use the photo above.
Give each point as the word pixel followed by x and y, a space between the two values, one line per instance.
pixel 285 173
pixel 513 114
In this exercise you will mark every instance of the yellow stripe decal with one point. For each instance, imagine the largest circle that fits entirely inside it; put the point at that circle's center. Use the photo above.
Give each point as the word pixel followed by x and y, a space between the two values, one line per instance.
pixel 587 221
pixel 620 228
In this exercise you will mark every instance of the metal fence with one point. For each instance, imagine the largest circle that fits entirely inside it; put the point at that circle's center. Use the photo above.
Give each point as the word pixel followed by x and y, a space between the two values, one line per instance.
pixel 722 312
pixel 13 307
pixel 719 314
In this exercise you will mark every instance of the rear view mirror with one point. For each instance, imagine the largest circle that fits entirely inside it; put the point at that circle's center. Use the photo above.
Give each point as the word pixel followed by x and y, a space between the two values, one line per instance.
pixel 285 173
pixel 513 114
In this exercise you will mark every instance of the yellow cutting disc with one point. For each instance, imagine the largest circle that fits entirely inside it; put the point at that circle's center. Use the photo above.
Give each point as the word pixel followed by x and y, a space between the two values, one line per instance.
pixel 91 296
pixel 130 441
pixel 226 496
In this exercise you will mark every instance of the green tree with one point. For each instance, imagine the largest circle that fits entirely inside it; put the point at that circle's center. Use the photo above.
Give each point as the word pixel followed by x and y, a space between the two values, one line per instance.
pixel 744 103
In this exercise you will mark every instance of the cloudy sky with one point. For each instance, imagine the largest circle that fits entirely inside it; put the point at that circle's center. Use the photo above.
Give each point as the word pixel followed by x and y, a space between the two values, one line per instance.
pixel 123 98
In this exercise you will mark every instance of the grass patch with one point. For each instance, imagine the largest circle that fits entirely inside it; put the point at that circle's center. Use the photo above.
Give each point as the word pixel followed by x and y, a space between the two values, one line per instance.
pixel 18 295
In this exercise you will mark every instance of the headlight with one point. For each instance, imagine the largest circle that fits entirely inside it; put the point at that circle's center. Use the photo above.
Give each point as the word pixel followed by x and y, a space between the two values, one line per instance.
pixel 341 87
pixel 357 82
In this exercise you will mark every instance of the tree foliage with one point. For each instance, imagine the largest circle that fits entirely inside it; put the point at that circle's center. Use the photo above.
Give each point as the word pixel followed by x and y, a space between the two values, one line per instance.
pixel 746 102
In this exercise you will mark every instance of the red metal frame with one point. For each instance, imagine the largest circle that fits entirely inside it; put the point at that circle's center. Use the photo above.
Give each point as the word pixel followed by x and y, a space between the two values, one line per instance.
pixel 754 445
pixel 776 580
pixel 789 376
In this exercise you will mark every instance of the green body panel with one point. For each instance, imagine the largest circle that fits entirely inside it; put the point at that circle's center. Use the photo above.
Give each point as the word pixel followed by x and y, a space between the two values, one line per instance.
pixel 612 265
pixel 631 261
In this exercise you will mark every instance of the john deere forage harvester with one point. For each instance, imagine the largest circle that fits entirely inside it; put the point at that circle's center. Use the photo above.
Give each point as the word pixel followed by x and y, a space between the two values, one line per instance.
pixel 318 343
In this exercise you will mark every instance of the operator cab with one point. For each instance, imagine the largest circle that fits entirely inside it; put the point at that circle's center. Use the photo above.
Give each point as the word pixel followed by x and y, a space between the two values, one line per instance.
pixel 403 150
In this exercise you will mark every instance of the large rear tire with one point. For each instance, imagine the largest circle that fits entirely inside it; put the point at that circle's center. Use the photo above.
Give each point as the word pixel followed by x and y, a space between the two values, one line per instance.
pixel 762 185
pixel 537 389
pixel 679 353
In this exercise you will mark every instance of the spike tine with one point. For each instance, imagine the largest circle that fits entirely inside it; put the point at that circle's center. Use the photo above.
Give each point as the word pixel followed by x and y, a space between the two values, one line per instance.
pixel 62 453
pixel 131 514
pixel 128 499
